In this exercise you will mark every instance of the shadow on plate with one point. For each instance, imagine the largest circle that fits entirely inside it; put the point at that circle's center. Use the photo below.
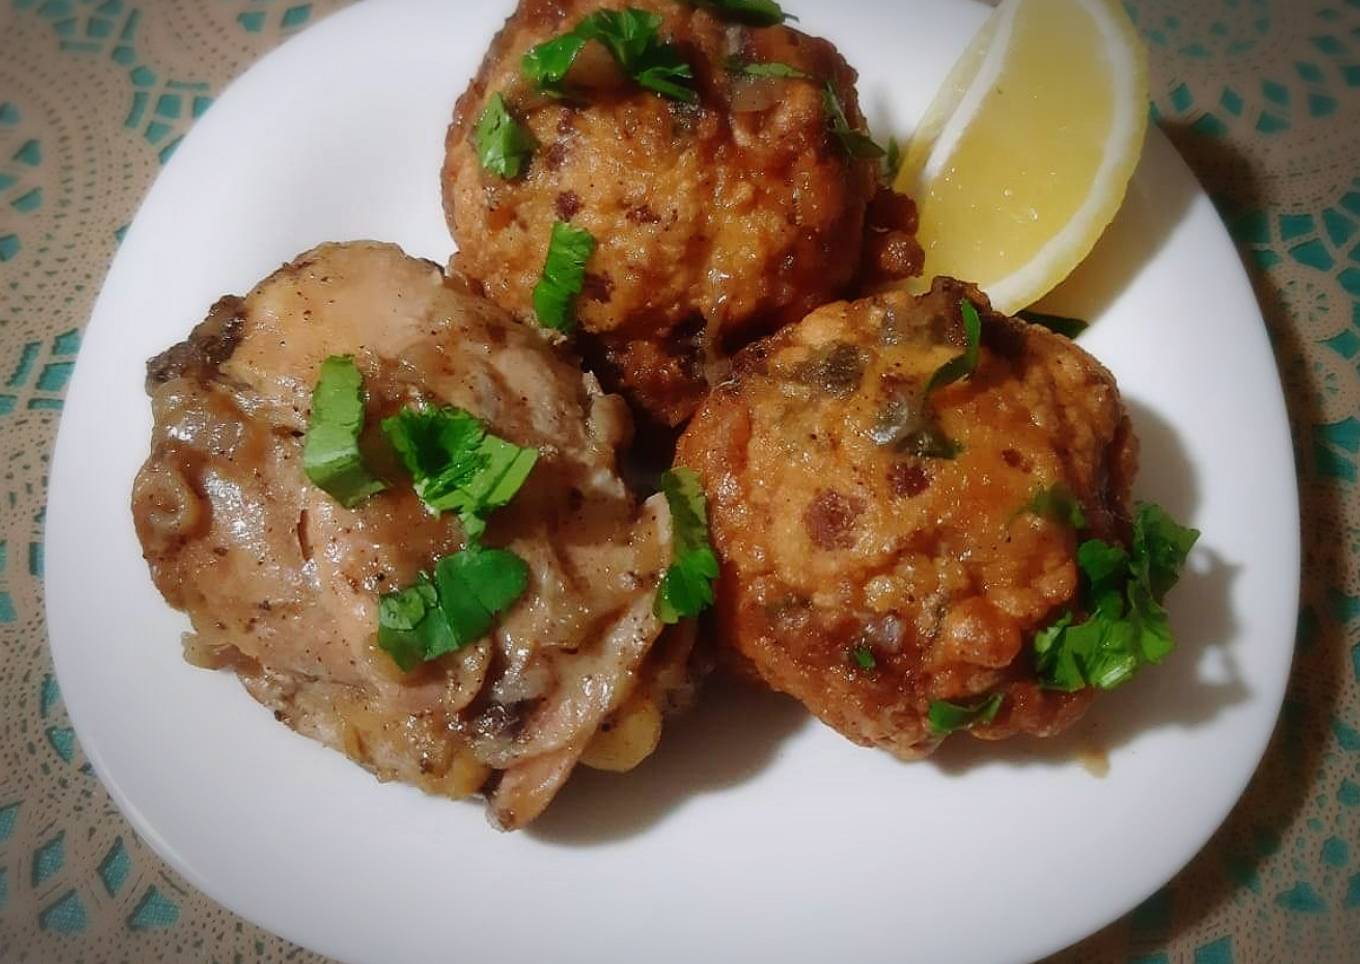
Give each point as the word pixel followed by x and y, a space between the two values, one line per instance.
pixel 1197 681
pixel 1159 196
pixel 733 734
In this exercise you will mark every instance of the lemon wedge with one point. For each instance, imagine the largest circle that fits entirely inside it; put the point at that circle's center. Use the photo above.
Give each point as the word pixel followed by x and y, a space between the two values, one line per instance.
pixel 1025 154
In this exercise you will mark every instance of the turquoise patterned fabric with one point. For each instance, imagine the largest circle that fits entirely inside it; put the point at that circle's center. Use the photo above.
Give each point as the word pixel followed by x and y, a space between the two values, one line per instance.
pixel 1262 97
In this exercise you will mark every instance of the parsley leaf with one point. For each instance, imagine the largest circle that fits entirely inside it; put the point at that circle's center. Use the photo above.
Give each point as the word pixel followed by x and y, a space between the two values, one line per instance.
pixel 961 366
pixel 687 588
pixel 431 618
pixel 757 13
pixel 854 142
pixel 945 717
pixel 456 465
pixel 1067 327
pixel 1058 504
pixel 892 161
pixel 330 454
pixel 412 628
pixel 1122 591
pixel 631 37
pixel 503 144
pixel 564 275
pixel 864 657
pixel 771 68
pixel 547 64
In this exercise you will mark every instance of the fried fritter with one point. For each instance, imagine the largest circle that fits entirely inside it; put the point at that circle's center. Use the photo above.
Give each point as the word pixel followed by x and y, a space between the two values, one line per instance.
pixel 716 221
pixel 868 579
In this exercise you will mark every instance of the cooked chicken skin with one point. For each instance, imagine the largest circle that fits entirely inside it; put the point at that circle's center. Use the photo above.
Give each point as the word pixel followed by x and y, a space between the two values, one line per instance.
pixel 716 222
pixel 282 583
pixel 833 539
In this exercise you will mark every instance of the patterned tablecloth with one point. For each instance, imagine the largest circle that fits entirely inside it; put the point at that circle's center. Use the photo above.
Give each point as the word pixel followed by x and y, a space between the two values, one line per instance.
pixel 1261 96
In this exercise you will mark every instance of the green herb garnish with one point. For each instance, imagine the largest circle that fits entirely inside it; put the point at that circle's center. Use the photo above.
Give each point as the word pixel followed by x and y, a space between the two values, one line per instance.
pixel 432 618
pixel 945 717
pixel 504 146
pixel 757 13
pixel 961 366
pixel 687 588
pixel 456 465
pixel 769 68
pixel 564 275
pixel 892 161
pixel 1122 592
pixel 632 38
pixel 330 455
pixel 864 657
pixel 1058 504
pixel 1067 327
pixel 547 64
pixel 856 143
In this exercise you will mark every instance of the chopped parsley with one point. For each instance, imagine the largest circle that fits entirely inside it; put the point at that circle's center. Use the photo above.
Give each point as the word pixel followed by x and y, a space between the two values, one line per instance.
pixel 457 466
pixel 769 68
pixel 961 366
pixel 1121 591
pixel 687 588
pixel 632 38
pixel 757 13
pixel 330 454
pixel 945 717
pixel 547 64
pixel 892 161
pixel 1067 327
pixel 864 657
pixel 504 146
pixel 431 618
pixel 1058 504
pixel 564 275
pixel 855 143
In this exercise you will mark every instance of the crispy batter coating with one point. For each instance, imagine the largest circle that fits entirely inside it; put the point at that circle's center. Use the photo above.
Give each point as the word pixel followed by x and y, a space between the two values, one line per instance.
pixel 717 222
pixel 834 538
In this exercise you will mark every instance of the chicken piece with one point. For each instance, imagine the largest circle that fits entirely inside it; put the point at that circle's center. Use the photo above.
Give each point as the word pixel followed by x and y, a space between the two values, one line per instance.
pixel 841 548
pixel 717 221
pixel 282 583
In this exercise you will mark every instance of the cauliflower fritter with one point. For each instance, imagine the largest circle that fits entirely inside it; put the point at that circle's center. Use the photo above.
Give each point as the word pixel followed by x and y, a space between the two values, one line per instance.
pixel 867 580
pixel 717 221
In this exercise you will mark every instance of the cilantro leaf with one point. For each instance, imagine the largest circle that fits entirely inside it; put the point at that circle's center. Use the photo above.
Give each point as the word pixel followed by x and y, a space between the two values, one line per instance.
pixel 456 465
pixel 1122 590
pixel 547 64
pixel 961 366
pixel 892 161
pixel 863 656
pixel 855 143
pixel 757 13
pixel 564 275
pixel 632 38
pixel 476 584
pixel 330 454
pixel 412 628
pixel 1160 547
pixel 431 618
pixel 687 588
pixel 1067 327
pixel 503 144
pixel 945 717
pixel 770 68
pixel 1058 504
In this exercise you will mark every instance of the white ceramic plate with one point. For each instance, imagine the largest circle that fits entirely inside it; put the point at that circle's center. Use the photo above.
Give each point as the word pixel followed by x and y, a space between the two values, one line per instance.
pixel 754 833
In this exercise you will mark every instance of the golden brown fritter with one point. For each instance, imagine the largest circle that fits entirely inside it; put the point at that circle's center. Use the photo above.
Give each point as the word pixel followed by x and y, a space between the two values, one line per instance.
pixel 716 221
pixel 834 538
